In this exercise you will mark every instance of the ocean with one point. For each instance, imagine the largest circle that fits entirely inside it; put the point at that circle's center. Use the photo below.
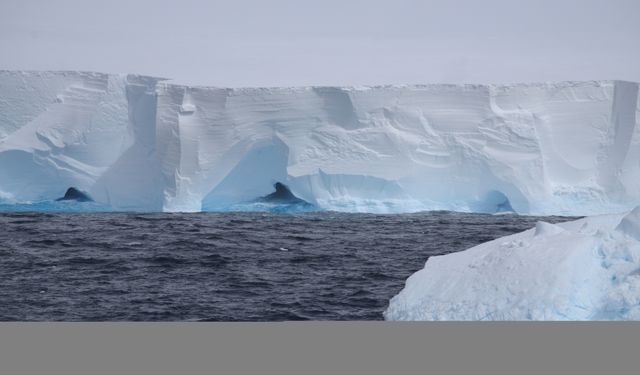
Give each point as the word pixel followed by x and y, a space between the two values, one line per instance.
pixel 224 266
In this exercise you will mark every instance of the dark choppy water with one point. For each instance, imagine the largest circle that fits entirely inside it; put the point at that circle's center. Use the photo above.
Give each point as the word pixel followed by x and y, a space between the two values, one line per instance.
pixel 223 266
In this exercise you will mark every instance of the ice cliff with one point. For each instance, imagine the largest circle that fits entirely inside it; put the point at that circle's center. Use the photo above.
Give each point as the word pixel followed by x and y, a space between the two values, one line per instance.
pixel 587 269
pixel 143 143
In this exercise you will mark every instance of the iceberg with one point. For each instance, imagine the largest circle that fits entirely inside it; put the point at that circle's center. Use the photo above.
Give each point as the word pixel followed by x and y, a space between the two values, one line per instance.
pixel 143 143
pixel 281 200
pixel 73 194
pixel 588 269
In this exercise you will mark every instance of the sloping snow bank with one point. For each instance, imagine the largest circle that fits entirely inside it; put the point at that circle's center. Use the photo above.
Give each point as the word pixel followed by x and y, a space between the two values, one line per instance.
pixel 588 269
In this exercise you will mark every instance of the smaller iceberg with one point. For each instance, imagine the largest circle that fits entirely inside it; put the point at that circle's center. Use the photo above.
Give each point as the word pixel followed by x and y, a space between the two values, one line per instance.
pixel 281 200
pixel 588 269
pixel 74 194
pixel 74 200
pixel 282 195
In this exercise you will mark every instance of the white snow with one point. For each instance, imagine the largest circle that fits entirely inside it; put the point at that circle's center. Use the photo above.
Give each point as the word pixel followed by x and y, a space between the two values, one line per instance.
pixel 143 143
pixel 588 269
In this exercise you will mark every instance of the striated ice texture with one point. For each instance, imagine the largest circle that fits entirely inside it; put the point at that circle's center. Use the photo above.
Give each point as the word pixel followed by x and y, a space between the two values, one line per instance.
pixel 587 269
pixel 142 143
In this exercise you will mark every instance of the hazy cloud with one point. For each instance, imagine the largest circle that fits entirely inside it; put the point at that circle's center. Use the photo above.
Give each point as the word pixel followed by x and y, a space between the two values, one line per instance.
pixel 286 42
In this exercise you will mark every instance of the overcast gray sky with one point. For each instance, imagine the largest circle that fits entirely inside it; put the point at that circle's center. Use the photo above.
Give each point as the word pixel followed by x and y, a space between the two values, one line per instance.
pixel 327 42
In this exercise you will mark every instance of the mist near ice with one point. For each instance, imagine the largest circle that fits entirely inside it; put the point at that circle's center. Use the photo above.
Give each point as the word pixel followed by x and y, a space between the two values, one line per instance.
pixel 333 42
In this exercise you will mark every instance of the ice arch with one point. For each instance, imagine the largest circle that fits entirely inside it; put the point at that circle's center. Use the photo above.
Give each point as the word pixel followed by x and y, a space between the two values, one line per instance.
pixel 251 178
pixel 497 201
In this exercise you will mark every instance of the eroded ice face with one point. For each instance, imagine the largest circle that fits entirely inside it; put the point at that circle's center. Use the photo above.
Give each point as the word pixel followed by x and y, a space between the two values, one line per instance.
pixel 139 143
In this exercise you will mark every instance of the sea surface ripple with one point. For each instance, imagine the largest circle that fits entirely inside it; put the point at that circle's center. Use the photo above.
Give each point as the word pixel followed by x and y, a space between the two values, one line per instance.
pixel 223 266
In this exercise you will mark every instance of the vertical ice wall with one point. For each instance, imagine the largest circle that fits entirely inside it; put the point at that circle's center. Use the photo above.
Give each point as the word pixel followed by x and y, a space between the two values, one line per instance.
pixel 536 148
pixel 134 180
pixel 141 143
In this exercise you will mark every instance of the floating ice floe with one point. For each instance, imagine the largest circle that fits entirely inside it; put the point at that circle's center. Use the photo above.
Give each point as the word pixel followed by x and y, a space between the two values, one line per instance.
pixel 588 269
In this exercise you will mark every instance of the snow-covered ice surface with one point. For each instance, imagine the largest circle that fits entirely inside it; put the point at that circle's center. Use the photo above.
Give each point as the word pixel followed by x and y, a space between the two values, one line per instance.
pixel 143 143
pixel 588 269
